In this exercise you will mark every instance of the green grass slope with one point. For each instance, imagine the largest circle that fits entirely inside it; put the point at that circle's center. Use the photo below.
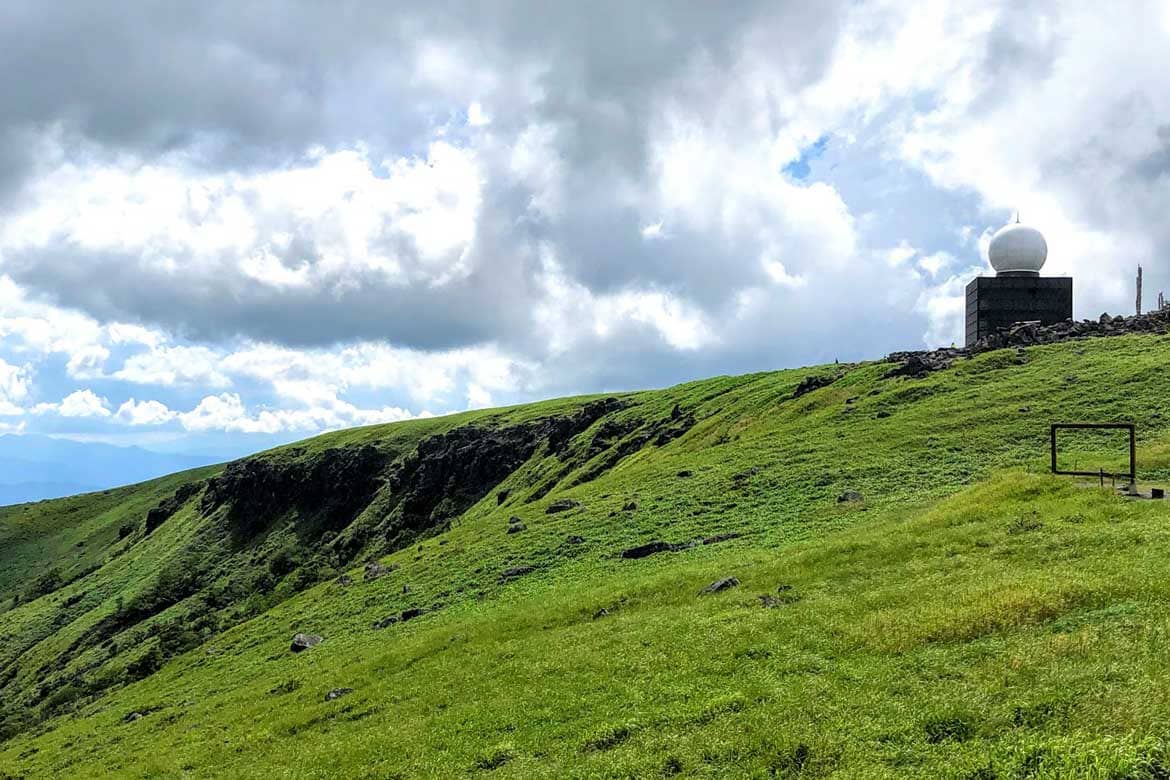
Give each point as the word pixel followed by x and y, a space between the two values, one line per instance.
pixel 972 617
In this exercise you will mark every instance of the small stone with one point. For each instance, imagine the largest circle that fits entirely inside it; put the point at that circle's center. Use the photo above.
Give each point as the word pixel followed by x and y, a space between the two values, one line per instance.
pixel 337 693
pixel 517 528
pixel 575 539
pixel 410 614
pixel 650 548
pixel 502 496
pixel 344 581
pixel 562 505
pixel 603 612
pixel 302 642
pixel 513 520
pixel 374 570
pixel 882 414
pixel 385 622
pixel 720 585
pixel 850 497
pixel 686 473
pixel 630 506
pixel 515 571
pixel 406 589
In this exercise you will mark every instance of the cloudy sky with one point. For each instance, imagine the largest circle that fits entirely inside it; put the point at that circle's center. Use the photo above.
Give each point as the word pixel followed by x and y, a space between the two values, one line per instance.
pixel 224 225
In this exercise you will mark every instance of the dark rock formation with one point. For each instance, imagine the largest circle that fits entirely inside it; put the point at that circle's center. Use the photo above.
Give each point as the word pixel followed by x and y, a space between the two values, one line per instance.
pixel 561 505
pixel 327 490
pixel 344 580
pixel 168 506
pixel 385 622
pixel 410 614
pixel 630 506
pixel 516 528
pixel 850 497
pixel 575 540
pixel 337 693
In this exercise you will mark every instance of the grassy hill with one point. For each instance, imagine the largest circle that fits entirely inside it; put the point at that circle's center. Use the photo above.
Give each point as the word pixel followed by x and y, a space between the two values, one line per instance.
pixel 964 615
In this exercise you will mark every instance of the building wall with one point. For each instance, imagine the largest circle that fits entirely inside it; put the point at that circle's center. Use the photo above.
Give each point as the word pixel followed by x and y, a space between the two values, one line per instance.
pixel 1001 301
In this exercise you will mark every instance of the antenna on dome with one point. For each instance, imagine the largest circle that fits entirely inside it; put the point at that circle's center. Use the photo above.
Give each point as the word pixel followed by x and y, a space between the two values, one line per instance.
pixel 1017 216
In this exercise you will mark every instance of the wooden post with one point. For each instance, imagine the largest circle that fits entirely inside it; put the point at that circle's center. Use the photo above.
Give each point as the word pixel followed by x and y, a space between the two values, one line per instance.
pixel 1139 291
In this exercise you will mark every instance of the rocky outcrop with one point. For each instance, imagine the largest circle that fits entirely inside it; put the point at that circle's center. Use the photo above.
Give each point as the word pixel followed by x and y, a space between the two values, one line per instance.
pixel 169 505
pixel 917 364
pixel 326 490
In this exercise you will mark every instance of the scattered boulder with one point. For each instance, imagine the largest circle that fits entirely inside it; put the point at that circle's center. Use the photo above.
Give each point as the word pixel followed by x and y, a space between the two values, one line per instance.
pixel 850 497
pixel 385 622
pixel 517 528
pixel 344 580
pixel 405 588
pixel 630 506
pixel 650 548
pixel 133 716
pixel 337 693
pixel 686 473
pixel 515 571
pixel 562 505
pixel 302 642
pixel 603 612
pixel 810 383
pixel 784 595
pixel 720 585
pixel 575 539
pixel 743 476
pixel 410 614
pixel 513 520
pixel 882 414
pixel 502 496
pixel 676 412
pixel 374 570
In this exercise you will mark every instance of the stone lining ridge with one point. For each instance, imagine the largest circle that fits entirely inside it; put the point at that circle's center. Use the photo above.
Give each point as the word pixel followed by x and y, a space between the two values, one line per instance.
pixel 918 363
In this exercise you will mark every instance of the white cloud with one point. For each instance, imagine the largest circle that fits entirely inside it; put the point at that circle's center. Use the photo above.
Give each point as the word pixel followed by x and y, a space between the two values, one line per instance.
pixel 14 387
pixel 174 365
pixel 134 412
pixel 83 403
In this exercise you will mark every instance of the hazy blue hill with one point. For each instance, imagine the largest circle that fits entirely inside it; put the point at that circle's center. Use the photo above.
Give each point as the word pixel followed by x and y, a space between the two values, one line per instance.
pixel 38 467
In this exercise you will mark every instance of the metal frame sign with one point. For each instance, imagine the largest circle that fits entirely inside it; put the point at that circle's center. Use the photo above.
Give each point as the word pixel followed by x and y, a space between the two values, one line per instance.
pixel 1131 476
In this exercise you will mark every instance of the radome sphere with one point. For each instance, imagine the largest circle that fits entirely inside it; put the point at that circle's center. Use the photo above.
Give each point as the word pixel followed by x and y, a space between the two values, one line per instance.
pixel 1017 248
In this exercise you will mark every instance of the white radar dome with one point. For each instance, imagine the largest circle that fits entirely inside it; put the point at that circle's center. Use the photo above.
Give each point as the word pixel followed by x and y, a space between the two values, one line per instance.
pixel 1017 248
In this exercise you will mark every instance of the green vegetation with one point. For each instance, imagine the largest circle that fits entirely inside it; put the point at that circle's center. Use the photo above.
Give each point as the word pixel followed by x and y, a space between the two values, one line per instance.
pixel 969 616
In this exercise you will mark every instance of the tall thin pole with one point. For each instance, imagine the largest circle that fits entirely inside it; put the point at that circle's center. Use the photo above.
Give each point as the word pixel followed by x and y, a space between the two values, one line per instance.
pixel 1139 291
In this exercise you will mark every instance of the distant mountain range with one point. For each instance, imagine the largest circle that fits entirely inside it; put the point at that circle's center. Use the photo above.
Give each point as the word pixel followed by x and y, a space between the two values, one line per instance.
pixel 37 467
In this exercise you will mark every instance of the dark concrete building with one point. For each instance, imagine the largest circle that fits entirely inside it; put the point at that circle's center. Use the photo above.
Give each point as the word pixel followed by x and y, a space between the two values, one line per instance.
pixel 1017 292
pixel 1000 301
